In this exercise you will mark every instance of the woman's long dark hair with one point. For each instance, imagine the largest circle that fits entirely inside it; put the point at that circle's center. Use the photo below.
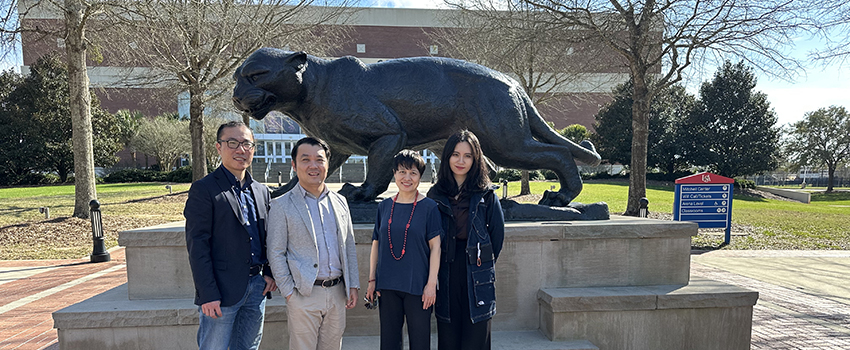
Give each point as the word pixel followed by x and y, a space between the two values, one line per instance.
pixel 477 179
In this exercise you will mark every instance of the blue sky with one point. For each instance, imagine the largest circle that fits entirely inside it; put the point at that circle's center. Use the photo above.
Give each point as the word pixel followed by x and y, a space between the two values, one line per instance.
pixel 818 87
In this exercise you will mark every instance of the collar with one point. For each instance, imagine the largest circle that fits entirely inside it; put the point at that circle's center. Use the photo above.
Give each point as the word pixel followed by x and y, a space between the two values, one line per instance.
pixel 304 193
pixel 233 181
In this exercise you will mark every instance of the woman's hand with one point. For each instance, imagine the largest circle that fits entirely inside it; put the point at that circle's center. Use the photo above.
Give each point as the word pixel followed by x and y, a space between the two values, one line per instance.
pixel 370 291
pixel 429 295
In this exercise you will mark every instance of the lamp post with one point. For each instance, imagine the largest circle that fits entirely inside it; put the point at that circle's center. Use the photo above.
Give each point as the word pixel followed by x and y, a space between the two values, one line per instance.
pixel 99 253
pixel 644 207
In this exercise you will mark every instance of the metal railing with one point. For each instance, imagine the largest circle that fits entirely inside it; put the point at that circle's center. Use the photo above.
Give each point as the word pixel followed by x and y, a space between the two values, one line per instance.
pixel 277 148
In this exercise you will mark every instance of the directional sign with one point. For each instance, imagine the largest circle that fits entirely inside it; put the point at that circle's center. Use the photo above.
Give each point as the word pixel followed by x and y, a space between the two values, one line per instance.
pixel 706 199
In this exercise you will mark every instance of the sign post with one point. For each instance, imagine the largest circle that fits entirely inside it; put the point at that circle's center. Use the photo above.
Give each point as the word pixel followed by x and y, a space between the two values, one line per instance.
pixel 706 199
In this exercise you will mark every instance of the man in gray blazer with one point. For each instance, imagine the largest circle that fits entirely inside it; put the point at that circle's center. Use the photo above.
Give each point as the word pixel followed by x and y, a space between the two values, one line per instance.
pixel 311 252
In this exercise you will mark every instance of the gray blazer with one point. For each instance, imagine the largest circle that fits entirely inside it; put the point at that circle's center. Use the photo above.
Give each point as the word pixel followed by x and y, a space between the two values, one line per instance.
pixel 291 243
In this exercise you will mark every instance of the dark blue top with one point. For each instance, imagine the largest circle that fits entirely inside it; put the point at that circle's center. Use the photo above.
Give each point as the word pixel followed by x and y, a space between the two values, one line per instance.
pixel 249 212
pixel 410 273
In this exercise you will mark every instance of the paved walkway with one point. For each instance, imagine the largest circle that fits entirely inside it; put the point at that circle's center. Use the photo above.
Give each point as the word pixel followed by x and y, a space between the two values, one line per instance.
pixel 31 290
pixel 804 296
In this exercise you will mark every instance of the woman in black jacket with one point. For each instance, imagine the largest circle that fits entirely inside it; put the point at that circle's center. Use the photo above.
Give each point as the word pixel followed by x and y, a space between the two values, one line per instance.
pixel 475 230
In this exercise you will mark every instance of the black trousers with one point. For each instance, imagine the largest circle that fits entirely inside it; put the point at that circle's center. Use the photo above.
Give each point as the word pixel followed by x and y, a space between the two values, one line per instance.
pixel 394 307
pixel 461 333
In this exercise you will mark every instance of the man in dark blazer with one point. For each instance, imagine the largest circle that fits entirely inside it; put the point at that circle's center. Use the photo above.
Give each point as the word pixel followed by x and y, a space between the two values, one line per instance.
pixel 226 216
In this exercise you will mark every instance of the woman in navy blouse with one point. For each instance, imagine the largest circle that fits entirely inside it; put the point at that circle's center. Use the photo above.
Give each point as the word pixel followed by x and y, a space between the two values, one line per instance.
pixel 405 258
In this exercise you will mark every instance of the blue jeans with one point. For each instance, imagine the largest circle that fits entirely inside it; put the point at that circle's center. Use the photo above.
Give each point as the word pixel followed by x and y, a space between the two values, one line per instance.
pixel 240 326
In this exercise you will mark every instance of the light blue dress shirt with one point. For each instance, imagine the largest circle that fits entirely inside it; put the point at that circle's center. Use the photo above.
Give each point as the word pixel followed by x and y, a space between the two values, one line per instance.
pixel 325 228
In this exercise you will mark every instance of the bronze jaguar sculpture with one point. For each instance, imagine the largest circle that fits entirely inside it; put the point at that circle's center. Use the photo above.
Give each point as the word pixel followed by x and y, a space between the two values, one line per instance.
pixel 381 108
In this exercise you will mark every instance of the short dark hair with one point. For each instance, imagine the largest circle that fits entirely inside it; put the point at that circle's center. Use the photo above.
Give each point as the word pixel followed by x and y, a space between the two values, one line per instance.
pixel 477 179
pixel 312 141
pixel 409 159
pixel 231 124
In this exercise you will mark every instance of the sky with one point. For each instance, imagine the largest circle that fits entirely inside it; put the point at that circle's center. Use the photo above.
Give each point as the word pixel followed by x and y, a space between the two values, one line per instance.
pixel 818 87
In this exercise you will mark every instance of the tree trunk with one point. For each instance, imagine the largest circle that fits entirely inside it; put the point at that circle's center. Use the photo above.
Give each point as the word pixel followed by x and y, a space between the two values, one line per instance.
pixel 196 128
pixel 525 188
pixel 640 136
pixel 830 181
pixel 63 175
pixel 80 105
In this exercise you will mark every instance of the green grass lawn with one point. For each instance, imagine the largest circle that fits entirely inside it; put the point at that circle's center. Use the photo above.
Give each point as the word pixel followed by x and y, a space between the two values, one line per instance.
pixel 776 224
pixel 823 224
pixel 21 203
pixel 25 234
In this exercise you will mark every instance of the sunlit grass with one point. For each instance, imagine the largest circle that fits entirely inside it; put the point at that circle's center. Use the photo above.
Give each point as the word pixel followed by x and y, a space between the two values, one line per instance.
pixel 779 224
pixel 21 203
pixel 772 224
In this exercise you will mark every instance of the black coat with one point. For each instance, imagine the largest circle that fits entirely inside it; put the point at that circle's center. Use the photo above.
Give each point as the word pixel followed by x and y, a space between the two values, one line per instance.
pixel 218 243
pixel 486 226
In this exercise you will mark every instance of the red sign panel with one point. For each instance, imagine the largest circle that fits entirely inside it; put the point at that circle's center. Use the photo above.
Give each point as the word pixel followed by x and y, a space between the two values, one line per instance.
pixel 704 178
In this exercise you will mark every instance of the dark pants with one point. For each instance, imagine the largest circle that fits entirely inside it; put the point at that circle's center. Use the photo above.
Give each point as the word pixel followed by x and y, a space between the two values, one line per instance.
pixel 395 306
pixel 461 333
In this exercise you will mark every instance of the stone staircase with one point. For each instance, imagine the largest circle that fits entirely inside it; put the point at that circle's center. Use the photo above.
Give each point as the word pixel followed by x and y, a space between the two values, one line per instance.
pixel 503 340
pixel 617 284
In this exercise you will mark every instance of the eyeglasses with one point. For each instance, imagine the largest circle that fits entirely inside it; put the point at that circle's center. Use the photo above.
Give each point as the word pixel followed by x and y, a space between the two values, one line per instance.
pixel 233 144
pixel 371 305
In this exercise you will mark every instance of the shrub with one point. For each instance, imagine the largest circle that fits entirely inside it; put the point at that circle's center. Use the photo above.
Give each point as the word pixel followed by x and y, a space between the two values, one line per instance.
pixel 516 175
pixel 38 179
pixel 71 180
pixel 135 175
pixel 549 174
pixel 602 175
pixel 509 175
pixel 51 178
pixel 182 174
pixel 744 183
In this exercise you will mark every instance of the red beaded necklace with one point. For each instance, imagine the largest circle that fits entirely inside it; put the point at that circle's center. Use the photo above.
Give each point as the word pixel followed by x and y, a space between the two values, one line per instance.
pixel 390 221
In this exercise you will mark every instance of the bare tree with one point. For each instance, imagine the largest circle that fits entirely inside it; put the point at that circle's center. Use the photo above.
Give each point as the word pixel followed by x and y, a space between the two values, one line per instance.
pixel 164 137
pixel 195 46
pixel 511 38
pixel 659 40
pixel 77 17
pixel 832 24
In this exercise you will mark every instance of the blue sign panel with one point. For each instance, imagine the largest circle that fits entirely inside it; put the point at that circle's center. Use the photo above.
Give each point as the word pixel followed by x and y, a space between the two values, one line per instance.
pixel 709 205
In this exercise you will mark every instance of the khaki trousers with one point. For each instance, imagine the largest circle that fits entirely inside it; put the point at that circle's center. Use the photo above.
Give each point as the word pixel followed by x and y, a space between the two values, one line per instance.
pixel 318 321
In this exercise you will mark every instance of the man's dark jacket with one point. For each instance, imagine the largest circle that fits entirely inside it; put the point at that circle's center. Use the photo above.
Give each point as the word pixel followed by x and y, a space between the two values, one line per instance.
pixel 218 243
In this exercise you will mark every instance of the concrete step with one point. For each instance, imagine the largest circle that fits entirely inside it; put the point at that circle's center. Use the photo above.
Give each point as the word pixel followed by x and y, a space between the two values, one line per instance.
pixel 528 340
pixel 651 317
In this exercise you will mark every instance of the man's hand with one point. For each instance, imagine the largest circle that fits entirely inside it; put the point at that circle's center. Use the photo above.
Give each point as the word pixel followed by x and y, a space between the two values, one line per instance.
pixel 352 298
pixel 270 285
pixel 212 309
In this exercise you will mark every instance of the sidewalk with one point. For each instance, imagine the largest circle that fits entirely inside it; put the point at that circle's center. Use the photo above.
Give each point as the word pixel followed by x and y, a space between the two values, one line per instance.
pixel 804 296
pixel 31 290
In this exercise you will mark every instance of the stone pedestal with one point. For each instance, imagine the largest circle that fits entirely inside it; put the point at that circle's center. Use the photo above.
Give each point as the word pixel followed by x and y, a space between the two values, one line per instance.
pixel 581 281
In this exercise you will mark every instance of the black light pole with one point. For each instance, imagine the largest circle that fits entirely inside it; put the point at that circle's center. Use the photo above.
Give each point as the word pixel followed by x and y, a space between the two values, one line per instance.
pixel 99 253
pixel 644 207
